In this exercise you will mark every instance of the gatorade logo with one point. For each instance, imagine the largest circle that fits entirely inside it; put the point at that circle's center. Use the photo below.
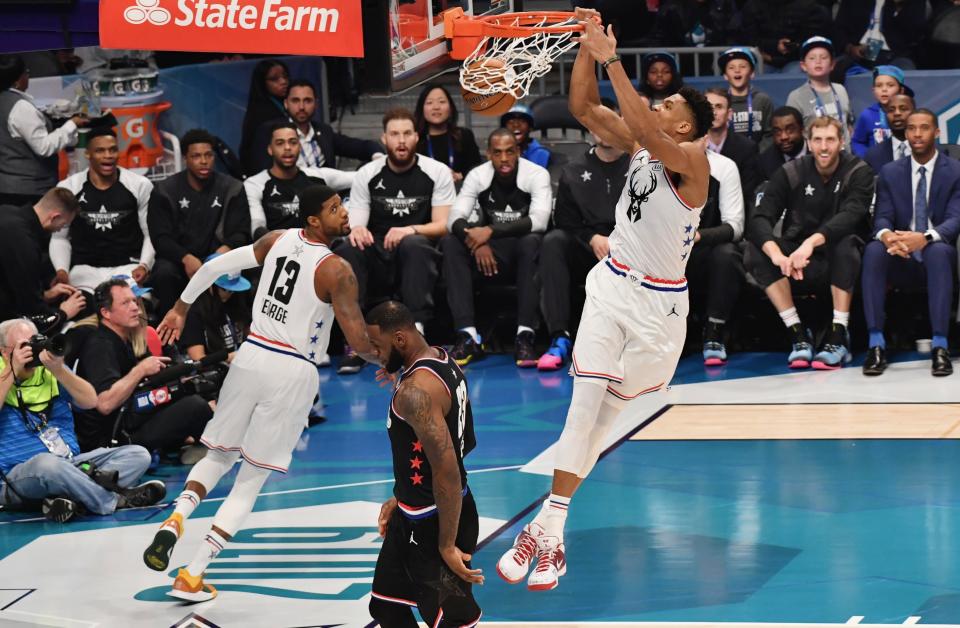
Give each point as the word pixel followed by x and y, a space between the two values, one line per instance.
pixel 307 27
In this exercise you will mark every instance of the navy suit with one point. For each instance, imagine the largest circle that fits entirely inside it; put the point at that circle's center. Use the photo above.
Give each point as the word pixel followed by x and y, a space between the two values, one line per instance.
pixel 879 155
pixel 895 211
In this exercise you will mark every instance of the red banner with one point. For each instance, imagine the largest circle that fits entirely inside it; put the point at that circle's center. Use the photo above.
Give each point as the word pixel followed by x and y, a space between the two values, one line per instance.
pixel 331 28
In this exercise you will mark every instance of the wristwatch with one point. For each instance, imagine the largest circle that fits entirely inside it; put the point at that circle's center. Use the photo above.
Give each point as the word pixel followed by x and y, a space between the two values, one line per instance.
pixel 928 236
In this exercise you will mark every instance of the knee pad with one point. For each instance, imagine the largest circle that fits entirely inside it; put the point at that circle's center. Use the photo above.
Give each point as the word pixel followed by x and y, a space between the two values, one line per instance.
pixel 214 465
pixel 609 412
pixel 239 503
pixel 572 447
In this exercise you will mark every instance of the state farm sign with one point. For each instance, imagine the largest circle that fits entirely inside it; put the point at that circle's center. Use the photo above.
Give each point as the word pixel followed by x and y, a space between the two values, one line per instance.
pixel 307 27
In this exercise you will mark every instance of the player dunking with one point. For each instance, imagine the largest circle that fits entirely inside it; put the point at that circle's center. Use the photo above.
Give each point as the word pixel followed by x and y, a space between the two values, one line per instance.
pixel 634 319
pixel 430 525
pixel 269 389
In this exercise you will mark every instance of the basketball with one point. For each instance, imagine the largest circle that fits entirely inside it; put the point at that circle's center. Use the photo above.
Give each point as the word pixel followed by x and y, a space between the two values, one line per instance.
pixel 494 71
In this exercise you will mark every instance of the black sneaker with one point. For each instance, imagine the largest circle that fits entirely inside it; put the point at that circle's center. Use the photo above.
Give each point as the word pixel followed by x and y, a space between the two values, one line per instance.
pixel 351 362
pixel 466 349
pixel 146 494
pixel 524 352
pixel 59 509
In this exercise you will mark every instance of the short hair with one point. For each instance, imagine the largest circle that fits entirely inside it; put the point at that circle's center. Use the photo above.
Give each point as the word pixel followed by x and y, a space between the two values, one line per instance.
pixel 312 200
pixel 822 122
pixel 926 112
pixel 783 112
pixel 282 124
pixel 100 131
pixel 103 294
pixel 197 136
pixel 719 91
pixel 398 113
pixel 12 68
pixel 301 83
pixel 58 200
pixel 700 108
pixel 9 325
pixel 501 132
pixel 391 316
pixel 913 101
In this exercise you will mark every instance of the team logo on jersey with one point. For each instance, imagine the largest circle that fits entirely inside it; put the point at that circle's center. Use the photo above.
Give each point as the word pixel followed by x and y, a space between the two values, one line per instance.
pixel 290 208
pixel 216 202
pixel 101 220
pixel 639 192
pixel 184 203
pixel 82 198
pixel 380 185
pixel 586 176
pixel 507 214
pixel 401 205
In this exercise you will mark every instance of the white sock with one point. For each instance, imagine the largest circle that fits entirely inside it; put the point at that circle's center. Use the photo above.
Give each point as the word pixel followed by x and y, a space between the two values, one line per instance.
pixel 212 545
pixel 717 321
pixel 523 328
pixel 473 333
pixel 841 318
pixel 419 326
pixel 790 317
pixel 556 516
pixel 186 503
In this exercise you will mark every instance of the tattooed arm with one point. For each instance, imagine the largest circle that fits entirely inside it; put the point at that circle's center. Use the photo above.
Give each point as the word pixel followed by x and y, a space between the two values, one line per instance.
pixel 335 283
pixel 418 402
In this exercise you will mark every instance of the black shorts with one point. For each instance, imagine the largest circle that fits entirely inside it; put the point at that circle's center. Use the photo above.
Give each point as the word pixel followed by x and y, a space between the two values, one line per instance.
pixel 411 572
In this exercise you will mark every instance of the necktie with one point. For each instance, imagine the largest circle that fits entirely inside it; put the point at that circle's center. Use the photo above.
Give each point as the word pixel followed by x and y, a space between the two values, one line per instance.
pixel 901 150
pixel 920 206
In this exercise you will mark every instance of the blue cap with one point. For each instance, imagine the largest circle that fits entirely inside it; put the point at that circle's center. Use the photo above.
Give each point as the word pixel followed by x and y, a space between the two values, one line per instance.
pixel 137 290
pixel 889 70
pixel 737 52
pixel 816 41
pixel 651 57
pixel 234 282
pixel 517 111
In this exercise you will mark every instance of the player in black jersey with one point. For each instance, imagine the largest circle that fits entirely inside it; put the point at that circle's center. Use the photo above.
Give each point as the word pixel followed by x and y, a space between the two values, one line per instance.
pixel 430 525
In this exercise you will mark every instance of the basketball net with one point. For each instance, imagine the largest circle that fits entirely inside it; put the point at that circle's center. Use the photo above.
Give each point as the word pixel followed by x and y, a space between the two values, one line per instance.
pixel 523 60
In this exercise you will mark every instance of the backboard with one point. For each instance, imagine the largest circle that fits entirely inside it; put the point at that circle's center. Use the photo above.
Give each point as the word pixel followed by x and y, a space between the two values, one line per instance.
pixel 404 42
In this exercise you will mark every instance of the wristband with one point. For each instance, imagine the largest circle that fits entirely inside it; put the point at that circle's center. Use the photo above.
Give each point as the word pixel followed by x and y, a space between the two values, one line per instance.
pixel 610 61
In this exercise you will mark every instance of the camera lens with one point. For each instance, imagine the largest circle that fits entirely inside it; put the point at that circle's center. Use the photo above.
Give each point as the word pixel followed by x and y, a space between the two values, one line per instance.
pixel 57 345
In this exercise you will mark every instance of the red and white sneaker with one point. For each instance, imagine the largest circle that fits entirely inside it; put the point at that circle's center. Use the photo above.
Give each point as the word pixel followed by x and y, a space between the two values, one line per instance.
pixel 551 564
pixel 515 562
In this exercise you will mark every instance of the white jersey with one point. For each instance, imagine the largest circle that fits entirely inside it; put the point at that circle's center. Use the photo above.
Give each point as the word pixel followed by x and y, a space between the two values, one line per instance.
pixel 655 228
pixel 288 317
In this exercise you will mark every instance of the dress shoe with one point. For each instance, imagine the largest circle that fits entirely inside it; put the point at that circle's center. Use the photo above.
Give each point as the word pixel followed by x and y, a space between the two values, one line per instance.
pixel 941 363
pixel 876 362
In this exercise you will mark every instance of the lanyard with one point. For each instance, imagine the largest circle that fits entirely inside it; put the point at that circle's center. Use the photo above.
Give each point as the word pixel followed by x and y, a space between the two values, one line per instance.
pixel 25 413
pixel 821 108
pixel 449 149
pixel 749 112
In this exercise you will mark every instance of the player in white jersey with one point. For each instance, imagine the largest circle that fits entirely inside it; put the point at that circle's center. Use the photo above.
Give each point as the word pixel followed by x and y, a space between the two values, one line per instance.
pixel 634 318
pixel 269 389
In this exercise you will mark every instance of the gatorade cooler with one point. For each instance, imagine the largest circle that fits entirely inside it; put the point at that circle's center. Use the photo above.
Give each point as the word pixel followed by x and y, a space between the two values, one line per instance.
pixel 138 133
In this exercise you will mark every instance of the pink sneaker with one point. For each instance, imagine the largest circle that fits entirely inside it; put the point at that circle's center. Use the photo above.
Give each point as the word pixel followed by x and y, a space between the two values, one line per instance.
pixel 557 355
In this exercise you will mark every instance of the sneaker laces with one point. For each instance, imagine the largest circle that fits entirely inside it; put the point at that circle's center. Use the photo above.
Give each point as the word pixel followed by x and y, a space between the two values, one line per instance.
pixel 526 548
pixel 546 560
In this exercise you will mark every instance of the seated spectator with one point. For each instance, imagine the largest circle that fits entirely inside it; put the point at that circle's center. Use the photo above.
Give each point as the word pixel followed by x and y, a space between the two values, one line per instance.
pixel 788 141
pixel 915 224
pixel 519 121
pixel 511 199
pixel 26 276
pixel 110 235
pixel 872 127
pixel 876 32
pixel 660 77
pixel 750 108
pixel 219 318
pixel 734 146
pixel 584 216
pixel 268 88
pixel 715 269
pixel 398 211
pixel 40 460
pixel 440 137
pixel 320 145
pixel 826 197
pixel 192 215
pixel 778 28
pixel 896 146
pixel 29 145
pixel 819 97
pixel 108 361
pixel 274 194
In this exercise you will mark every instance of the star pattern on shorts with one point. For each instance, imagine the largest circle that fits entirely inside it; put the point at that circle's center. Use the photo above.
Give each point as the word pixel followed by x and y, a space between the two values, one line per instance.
pixel 684 256
pixel 688 242
pixel 318 324
pixel 688 229
pixel 416 478
pixel 314 339
pixel 417 446
pixel 311 355
pixel 416 462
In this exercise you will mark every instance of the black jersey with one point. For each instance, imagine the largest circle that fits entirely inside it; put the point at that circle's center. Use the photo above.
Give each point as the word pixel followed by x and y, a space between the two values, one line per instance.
pixel 413 478
pixel 275 203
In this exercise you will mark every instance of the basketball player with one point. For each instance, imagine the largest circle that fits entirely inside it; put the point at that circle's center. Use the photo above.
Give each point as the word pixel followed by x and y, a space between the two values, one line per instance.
pixel 634 318
pixel 269 388
pixel 430 525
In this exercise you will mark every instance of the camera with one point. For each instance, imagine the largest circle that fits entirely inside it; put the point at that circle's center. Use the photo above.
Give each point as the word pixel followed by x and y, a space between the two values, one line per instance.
pixel 56 345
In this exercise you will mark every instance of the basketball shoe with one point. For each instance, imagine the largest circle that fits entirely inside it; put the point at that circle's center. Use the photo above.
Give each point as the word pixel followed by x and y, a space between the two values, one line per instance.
pixel 557 355
pixel 551 564
pixel 801 352
pixel 835 351
pixel 714 351
pixel 191 588
pixel 157 556
pixel 515 562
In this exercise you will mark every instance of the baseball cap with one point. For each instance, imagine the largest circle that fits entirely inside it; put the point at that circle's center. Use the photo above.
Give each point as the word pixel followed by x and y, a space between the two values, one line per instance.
pixel 816 41
pixel 737 52
pixel 652 57
pixel 234 282
pixel 138 291
pixel 517 111
pixel 895 73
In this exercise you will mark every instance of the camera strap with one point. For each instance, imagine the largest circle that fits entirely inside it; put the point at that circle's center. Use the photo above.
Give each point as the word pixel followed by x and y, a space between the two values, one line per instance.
pixel 25 412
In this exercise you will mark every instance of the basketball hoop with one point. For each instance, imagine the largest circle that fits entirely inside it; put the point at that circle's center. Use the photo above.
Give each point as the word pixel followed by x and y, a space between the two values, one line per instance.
pixel 505 53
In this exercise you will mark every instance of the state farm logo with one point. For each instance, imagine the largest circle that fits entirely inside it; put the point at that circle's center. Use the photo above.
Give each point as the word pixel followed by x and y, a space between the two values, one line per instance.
pixel 266 15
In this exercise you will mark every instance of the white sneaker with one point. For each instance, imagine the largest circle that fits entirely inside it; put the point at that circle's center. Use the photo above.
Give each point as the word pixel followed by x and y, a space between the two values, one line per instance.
pixel 515 562
pixel 551 564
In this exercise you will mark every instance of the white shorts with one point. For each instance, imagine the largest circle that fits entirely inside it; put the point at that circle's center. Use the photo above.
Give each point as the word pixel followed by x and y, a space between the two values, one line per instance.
pixel 263 407
pixel 89 277
pixel 632 330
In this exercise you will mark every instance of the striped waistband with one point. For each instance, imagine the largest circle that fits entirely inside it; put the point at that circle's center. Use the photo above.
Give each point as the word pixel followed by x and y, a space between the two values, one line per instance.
pixel 276 346
pixel 643 280
pixel 420 512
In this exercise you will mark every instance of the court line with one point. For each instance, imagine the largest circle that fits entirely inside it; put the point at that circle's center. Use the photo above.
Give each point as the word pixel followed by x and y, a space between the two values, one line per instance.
pixel 51 620
pixel 28 592
pixel 856 619
pixel 952 427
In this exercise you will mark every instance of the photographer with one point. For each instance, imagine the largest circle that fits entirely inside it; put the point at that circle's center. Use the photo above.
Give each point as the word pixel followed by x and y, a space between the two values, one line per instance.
pixel 107 360
pixel 39 456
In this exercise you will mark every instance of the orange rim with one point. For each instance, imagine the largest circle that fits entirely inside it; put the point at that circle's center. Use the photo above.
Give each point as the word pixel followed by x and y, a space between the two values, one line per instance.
pixel 527 23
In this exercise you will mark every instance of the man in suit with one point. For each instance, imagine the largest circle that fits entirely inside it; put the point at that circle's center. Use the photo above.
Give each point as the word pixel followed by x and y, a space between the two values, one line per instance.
pixel 916 224
pixel 786 127
pixel 734 146
pixel 898 109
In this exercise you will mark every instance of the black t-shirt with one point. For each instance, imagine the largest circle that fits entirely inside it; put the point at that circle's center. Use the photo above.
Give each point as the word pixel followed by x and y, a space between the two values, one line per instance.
pixel 588 193
pixel 215 324
pixel 462 158
pixel 104 359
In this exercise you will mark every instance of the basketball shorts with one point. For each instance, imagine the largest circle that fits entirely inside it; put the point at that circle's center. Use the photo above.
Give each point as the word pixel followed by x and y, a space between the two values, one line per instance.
pixel 632 330
pixel 411 572
pixel 263 407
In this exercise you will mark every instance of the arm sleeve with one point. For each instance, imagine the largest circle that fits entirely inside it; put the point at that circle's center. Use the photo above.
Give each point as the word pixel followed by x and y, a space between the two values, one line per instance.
pixel 231 262
pixel 27 122
pixel 716 235
pixel 541 200
pixel 147 252
pixel 853 207
pixel 516 228
pixel 464 203
pixel 236 222
pixel 731 202
pixel 444 192
pixel 337 179
pixel 61 249
pixel 160 222
pixel 258 219
pixel 768 211
pixel 359 204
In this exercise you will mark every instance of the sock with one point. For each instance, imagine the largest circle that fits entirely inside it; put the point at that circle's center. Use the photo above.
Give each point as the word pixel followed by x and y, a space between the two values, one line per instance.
pixel 541 518
pixel 790 317
pixel 523 328
pixel 473 333
pixel 877 339
pixel 419 326
pixel 841 318
pixel 938 341
pixel 212 545
pixel 185 505
pixel 556 515
pixel 720 321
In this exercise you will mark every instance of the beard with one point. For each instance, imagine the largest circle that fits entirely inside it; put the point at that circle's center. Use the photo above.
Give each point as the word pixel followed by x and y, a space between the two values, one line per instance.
pixel 394 361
